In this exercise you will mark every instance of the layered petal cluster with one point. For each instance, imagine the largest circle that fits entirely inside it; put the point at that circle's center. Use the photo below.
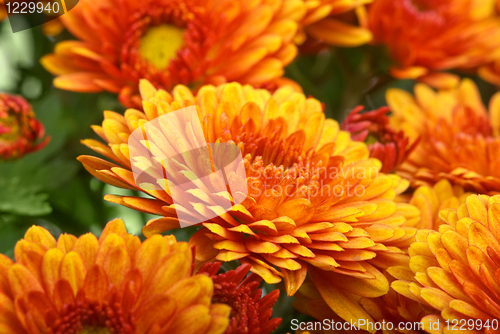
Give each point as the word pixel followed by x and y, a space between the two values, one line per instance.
pixel 113 284
pixel 391 147
pixel 426 37
pixel 250 312
pixel 459 138
pixel 456 270
pixel 335 22
pixel 20 131
pixel 430 200
pixel 316 201
pixel 393 312
pixel 170 42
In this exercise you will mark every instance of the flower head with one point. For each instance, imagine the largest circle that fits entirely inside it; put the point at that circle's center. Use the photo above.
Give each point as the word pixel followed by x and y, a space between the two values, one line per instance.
pixel 250 312
pixel 316 201
pixel 426 37
pixel 335 22
pixel 170 42
pixel 391 147
pixel 459 138
pixel 113 284
pixel 455 270
pixel 19 129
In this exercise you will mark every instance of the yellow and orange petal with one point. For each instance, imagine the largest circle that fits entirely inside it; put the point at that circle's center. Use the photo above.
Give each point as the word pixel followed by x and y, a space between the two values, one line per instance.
pixel 455 270
pixel 430 200
pixel 459 138
pixel 20 132
pixel 335 22
pixel 425 38
pixel 110 284
pixel 170 42
pixel 386 144
pixel 391 311
pixel 337 218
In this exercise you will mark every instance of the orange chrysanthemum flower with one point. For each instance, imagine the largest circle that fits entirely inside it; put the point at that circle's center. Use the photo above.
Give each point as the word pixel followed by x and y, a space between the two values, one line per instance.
pixel 19 129
pixel 113 284
pixel 170 42
pixel 335 22
pixel 249 312
pixel 459 139
pixel 293 220
pixel 391 147
pixel 456 269
pixel 426 37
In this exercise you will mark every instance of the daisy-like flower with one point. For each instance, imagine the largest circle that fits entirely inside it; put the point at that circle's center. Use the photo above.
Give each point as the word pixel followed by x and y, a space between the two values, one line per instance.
pixel 335 22
pixel 459 138
pixel 455 270
pixel 391 147
pixel 426 37
pixel 170 42
pixel 316 202
pixel 249 312
pixel 113 284
pixel 20 131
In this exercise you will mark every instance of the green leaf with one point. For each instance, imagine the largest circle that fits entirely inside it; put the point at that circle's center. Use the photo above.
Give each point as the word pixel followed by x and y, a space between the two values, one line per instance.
pixel 24 199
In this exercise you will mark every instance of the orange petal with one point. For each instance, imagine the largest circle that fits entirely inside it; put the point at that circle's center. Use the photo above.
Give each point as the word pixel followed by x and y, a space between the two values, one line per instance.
pixel 80 82
pixel 294 279
pixel 204 246
pixel 73 270
pixel 21 280
pixel 338 33
pixel 96 284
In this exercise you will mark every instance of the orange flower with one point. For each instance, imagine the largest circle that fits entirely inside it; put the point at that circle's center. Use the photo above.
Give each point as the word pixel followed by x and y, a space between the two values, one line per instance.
pixel 19 129
pixel 459 140
pixel 426 37
pixel 316 200
pixel 335 22
pixel 384 143
pixel 113 284
pixel 249 312
pixel 170 42
pixel 456 269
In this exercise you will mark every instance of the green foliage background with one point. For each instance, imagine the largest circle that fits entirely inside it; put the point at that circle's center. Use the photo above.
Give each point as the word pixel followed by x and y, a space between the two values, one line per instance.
pixel 51 188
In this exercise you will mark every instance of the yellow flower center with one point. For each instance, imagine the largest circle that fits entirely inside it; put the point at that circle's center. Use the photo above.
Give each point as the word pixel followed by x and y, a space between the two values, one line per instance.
pixel 160 44
pixel 95 330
